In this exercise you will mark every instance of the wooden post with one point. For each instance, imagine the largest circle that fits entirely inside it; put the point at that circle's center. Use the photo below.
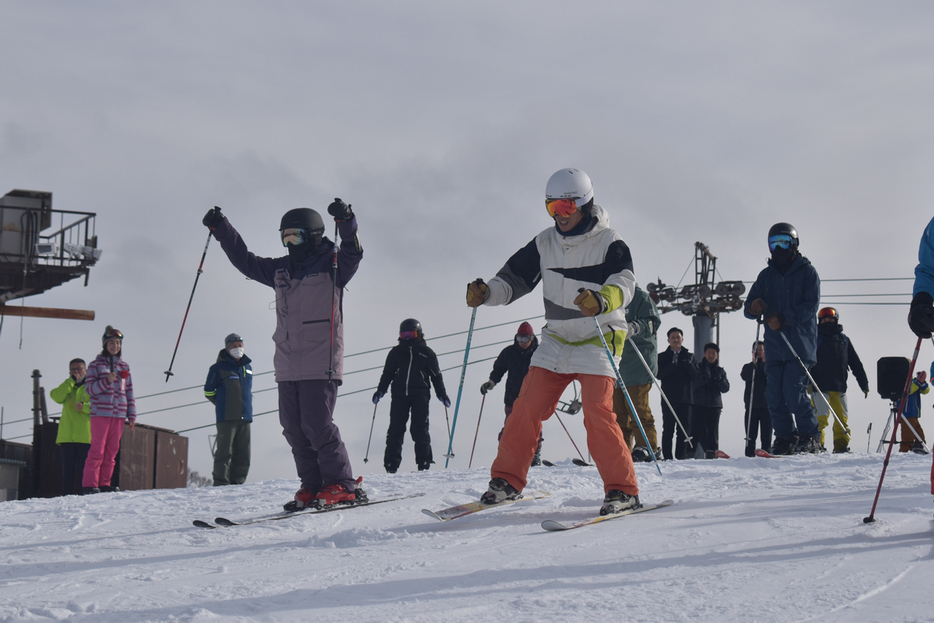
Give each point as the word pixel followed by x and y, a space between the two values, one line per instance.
pixel 47 312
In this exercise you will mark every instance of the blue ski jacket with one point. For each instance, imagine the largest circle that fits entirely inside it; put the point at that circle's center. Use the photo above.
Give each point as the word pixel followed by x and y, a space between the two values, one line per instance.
pixel 796 296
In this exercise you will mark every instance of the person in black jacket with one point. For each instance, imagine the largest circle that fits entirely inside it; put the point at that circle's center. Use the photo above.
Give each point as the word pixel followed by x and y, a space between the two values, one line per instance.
pixel 761 422
pixel 513 362
pixel 229 387
pixel 412 368
pixel 710 383
pixel 835 353
pixel 676 371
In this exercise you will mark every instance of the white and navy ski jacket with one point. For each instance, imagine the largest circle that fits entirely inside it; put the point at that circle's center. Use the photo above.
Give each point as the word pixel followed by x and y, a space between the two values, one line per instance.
pixel 596 260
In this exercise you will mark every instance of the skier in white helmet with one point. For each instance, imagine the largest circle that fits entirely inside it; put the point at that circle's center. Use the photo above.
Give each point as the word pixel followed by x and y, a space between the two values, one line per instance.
pixel 586 271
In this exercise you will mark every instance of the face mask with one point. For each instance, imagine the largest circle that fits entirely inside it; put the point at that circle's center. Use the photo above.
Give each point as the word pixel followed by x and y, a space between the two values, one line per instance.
pixel 236 353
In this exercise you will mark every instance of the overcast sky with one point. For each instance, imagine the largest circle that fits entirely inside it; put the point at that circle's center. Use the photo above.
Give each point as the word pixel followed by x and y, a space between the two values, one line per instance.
pixel 441 124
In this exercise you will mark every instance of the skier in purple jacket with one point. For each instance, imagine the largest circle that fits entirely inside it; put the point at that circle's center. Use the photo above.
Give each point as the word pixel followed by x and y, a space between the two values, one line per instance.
pixel 309 340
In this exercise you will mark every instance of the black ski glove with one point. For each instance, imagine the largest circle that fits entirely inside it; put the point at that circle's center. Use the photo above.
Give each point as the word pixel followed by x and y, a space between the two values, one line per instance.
pixel 213 218
pixel 340 210
pixel 921 315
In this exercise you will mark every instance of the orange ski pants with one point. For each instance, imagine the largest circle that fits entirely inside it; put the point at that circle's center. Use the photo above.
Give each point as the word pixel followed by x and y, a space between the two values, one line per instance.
pixel 537 401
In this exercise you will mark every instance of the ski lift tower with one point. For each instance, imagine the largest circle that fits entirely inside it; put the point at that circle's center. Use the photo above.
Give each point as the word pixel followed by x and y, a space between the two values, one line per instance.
pixel 32 262
pixel 704 301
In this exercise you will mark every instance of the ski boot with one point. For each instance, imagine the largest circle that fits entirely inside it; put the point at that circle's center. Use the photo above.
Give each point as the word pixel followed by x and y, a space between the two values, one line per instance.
pixel 640 454
pixel 918 448
pixel 335 494
pixel 304 498
pixel 808 444
pixel 499 491
pixel 618 501
pixel 783 446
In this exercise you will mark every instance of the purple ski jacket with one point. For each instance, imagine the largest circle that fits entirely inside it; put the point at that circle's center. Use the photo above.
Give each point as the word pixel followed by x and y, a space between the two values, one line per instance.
pixel 304 295
pixel 110 400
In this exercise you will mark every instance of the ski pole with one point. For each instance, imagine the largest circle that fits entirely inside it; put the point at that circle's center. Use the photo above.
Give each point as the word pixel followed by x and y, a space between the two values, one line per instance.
pixel 460 390
pixel 868 437
pixel 813 382
pixel 448 422
pixel 622 386
pixel 901 407
pixel 687 437
pixel 571 438
pixel 473 447
pixel 372 422
pixel 168 372
pixel 752 385
pixel 331 366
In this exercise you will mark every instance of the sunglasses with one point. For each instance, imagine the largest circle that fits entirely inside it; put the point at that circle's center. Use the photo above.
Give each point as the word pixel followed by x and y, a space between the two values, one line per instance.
pixel 408 335
pixel 561 207
pixel 523 339
pixel 781 241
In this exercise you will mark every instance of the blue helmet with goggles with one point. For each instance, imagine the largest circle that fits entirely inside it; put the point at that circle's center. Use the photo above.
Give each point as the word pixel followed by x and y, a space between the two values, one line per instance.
pixel 783 236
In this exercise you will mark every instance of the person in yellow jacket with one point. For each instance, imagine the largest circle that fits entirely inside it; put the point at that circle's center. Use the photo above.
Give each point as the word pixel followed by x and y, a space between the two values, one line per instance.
pixel 74 429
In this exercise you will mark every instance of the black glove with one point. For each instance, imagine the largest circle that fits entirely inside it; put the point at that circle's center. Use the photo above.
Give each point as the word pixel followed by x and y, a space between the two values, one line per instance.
pixel 213 218
pixel 377 395
pixel 921 315
pixel 340 210
pixel 445 401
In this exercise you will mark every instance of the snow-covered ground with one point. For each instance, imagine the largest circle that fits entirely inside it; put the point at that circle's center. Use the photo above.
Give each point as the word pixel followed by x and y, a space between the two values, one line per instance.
pixel 747 540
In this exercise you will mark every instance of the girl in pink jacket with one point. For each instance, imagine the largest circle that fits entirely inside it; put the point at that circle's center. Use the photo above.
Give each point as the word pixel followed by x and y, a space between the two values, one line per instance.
pixel 110 386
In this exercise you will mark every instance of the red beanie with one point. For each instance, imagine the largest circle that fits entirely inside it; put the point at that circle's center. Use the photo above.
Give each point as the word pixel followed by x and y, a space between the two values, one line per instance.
pixel 525 329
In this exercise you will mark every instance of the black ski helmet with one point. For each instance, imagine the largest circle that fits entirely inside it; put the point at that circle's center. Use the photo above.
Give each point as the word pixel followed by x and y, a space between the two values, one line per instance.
pixel 411 324
pixel 307 219
pixel 786 229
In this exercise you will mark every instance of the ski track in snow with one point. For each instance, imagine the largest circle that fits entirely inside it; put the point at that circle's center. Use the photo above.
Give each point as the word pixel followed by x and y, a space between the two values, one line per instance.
pixel 747 540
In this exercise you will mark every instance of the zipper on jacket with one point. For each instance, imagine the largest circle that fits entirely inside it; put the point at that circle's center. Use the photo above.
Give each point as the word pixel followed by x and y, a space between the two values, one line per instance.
pixel 408 372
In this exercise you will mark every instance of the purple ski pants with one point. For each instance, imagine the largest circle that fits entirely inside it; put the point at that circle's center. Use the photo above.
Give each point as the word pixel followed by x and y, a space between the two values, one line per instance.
pixel 305 412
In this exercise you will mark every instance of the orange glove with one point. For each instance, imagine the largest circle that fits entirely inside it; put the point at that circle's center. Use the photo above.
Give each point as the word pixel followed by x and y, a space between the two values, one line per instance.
pixel 590 303
pixel 477 292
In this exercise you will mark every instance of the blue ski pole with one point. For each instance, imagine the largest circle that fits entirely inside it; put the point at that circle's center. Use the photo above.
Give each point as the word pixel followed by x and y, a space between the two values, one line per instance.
pixel 460 390
pixel 622 386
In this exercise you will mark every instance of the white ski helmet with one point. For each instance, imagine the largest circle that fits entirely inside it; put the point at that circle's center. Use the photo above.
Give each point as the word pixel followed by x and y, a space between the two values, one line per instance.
pixel 570 184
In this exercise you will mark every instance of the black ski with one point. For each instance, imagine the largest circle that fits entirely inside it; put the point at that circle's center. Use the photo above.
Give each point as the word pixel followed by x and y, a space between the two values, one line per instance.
pixel 581 462
pixel 224 522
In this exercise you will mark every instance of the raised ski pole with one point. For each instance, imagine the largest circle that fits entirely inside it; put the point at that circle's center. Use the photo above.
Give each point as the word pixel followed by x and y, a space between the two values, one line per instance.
pixel 813 382
pixel 331 366
pixel 460 390
pixel 901 407
pixel 752 386
pixel 168 372
pixel 687 437
pixel 372 422
pixel 622 386
pixel 474 446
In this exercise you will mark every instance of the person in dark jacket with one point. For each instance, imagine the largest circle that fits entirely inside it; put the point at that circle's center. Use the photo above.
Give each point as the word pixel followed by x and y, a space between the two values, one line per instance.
pixel 229 387
pixel 835 354
pixel 710 384
pixel 756 420
pixel 309 285
pixel 786 294
pixel 412 368
pixel 676 371
pixel 513 363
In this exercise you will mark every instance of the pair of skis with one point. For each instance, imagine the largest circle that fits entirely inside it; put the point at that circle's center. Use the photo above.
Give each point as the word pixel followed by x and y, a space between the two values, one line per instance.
pixel 470 508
